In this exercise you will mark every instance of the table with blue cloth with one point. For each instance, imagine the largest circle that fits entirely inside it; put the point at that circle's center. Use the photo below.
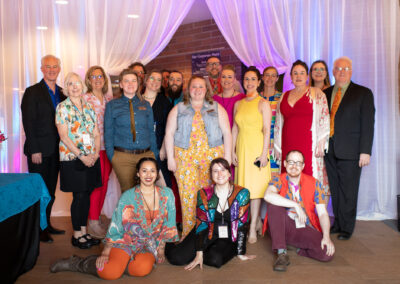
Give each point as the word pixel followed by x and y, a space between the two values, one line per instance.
pixel 23 202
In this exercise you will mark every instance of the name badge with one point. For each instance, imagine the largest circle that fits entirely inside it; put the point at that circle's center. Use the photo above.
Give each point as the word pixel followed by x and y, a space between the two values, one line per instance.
pixel 223 231
pixel 142 108
pixel 86 139
pixel 298 223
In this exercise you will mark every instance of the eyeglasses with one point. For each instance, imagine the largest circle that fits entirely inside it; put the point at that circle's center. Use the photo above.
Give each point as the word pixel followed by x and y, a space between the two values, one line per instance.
pixel 297 163
pixel 213 64
pixel 151 78
pixel 322 69
pixel 270 75
pixel 71 84
pixel 94 77
pixel 345 69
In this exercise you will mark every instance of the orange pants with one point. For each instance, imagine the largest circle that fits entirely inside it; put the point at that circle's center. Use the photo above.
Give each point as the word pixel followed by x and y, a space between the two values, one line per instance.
pixel 119 260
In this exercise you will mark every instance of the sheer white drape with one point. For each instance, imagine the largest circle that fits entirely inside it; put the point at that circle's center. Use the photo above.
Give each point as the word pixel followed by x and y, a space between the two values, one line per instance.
pixel 81 34
pixel 277 32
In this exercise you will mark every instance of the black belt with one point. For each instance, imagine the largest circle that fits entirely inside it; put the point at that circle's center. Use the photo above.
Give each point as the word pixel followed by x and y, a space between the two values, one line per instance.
pixel 136 151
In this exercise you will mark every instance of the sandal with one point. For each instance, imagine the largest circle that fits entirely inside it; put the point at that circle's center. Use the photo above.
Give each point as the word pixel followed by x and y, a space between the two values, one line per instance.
pixel 92 241
pixel 82 245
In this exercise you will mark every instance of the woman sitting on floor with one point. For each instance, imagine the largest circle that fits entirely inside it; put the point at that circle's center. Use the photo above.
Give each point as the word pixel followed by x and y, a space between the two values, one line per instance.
pixel 222 223
pixel 142 223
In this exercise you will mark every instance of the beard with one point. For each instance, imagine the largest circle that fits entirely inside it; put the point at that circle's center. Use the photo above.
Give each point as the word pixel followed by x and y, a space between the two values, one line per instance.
pixel 174 94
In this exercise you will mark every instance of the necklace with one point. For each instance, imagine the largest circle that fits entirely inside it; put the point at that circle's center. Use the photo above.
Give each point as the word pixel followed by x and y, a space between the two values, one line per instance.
pixel 150 98
pixel 152 214
pixel 222 208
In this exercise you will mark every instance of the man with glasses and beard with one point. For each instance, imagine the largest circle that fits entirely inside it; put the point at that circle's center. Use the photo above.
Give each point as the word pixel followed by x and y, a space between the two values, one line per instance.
pixel 175 87
pixel 214 68
pixel 297 214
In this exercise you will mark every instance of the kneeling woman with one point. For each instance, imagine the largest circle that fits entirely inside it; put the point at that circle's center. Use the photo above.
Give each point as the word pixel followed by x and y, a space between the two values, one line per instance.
pixel 142 223
pixel 222 223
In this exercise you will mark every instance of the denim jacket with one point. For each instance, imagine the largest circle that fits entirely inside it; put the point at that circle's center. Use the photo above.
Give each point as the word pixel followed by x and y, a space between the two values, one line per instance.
pixel 209 113
pixel 117 126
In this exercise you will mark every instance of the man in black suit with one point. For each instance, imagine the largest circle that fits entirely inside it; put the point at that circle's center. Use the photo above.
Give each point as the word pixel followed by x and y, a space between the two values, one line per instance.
pixel 352 130
pixel 41 146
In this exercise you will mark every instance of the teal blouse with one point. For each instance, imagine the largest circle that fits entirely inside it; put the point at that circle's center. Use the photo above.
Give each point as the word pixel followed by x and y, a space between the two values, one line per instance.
pixel 132 232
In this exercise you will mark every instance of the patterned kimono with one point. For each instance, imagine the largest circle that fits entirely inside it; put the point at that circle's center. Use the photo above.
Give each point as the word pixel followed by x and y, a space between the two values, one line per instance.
pixel 132 232
pixel 238 201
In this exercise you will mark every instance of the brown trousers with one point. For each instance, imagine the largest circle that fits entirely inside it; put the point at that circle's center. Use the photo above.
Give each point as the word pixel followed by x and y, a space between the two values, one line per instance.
pixel 124 165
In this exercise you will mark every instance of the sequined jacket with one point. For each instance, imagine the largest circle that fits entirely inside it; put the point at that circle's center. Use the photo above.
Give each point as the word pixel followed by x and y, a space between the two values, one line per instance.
pixel 207 202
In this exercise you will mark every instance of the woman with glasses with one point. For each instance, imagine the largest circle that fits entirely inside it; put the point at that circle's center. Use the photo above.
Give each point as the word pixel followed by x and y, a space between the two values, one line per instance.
pixel 161 106
pixel 271 95
pixel 79 148
pixel 319 75
pixel 302 123
pixel 98 96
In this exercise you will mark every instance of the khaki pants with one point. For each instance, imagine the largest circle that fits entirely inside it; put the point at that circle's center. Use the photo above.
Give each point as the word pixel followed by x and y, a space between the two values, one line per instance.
pixel 124 165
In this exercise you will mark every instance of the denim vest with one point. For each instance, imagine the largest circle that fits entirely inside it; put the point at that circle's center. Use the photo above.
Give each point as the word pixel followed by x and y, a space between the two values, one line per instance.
pixel 184 119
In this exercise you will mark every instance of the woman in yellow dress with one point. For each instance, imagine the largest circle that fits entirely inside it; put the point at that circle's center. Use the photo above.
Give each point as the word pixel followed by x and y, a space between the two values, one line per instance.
pixel 250 135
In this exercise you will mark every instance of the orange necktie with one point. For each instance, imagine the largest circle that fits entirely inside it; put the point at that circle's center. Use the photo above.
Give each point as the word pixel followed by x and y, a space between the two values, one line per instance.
pixel 335 106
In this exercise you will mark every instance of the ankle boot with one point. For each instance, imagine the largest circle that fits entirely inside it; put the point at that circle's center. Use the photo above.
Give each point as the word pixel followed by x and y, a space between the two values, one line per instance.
pixel 76 264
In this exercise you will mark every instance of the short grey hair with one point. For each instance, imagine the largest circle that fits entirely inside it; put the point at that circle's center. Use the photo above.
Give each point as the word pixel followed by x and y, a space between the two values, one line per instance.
pixel 345 58
pixel 68 79
pixel 48 56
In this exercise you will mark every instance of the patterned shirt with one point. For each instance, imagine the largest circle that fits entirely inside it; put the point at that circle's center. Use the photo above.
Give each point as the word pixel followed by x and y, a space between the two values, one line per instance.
pixel 78 124
pixel 99 109
pixel 132 232
pixel 273 102
pixel 319 195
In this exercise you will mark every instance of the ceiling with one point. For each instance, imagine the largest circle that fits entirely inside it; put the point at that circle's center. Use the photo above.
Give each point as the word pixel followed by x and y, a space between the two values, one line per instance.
pixel 198 12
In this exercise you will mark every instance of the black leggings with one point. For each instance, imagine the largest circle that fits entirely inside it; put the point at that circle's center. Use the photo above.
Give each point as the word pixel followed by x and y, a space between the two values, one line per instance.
pixel 80 209
pixel 216 254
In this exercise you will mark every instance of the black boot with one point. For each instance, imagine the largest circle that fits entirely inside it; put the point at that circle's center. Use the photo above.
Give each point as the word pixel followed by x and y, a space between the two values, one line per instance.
pixel 76 264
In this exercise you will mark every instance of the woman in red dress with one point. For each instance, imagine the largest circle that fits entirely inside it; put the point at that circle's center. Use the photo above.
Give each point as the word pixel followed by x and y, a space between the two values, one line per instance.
pixel 302 124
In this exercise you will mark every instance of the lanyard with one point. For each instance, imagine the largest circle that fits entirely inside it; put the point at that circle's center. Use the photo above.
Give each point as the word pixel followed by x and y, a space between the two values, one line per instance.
pixel 222 208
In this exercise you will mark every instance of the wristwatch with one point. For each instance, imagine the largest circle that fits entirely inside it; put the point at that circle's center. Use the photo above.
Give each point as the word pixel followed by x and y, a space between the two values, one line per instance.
pixel 80 155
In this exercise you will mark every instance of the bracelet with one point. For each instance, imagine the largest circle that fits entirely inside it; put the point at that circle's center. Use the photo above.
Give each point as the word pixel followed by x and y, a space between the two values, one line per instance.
pixel 80 155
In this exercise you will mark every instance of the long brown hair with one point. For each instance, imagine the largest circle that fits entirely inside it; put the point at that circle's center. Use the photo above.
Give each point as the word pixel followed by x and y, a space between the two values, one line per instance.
pixel 88 83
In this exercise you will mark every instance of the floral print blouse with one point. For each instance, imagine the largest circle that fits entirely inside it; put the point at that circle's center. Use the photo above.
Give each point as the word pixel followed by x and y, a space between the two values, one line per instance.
pixel 79 124
pixel 132 232
pixel 99 109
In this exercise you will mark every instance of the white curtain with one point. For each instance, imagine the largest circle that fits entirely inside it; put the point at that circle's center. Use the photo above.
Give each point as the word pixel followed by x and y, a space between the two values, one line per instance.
pixel 277 32
pixel 81 33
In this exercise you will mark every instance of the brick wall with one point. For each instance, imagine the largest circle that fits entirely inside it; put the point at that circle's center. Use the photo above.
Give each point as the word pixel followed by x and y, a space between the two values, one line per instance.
pixel 193 38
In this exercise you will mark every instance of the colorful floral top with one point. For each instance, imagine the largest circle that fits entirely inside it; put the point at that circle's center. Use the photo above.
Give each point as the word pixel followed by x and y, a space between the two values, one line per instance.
pixel 130 231
pixel 79 124
pixel 319 195
pixel 273 102
pixel 238 201
pixel 99 109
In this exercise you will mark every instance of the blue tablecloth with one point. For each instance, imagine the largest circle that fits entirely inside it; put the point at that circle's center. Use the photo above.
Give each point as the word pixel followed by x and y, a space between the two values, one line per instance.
pixel 20 191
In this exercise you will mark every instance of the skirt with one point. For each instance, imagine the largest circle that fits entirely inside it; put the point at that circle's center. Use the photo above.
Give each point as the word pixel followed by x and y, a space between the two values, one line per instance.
pixel 76 177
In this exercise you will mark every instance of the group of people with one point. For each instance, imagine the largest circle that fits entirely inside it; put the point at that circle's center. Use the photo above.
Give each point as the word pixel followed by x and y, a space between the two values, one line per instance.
pixel 227 150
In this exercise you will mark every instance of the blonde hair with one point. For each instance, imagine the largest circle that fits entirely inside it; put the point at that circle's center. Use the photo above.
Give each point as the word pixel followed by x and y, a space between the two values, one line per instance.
pixel 68 79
